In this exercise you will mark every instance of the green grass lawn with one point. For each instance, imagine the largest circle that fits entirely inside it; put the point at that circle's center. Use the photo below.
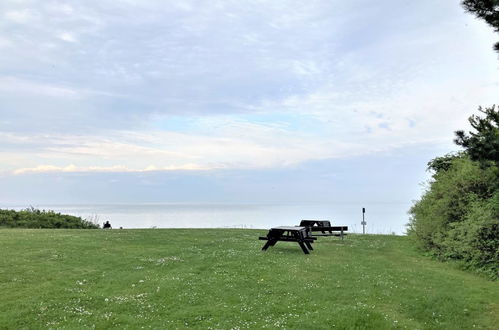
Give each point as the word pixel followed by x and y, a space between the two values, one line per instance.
pixel 219 279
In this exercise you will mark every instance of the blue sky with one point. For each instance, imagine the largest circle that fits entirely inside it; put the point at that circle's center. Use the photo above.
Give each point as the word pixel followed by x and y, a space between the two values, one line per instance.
pixel 236 101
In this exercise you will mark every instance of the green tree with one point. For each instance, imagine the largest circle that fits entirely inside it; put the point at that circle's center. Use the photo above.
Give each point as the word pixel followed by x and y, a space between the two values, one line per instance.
pixel 458 216
pixel 482 144
pixel 443 163
pixel 487 10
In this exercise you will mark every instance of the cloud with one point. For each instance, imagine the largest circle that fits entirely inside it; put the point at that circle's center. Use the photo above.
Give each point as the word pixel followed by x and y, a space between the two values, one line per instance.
pixel 238 145
pixel 19 16
pixel 233 84
pixel 22 87
pixel 66 36
pixel 228 143
pixel 5 42
pixel 97 169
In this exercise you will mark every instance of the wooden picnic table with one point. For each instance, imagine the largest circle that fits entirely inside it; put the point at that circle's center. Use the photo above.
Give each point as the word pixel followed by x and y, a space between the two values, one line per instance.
pixel 289 234
pixel 323 226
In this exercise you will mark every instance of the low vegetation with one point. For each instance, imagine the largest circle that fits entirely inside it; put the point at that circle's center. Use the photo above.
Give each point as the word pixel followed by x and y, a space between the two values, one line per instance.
pixel 33 218
pixel 219 279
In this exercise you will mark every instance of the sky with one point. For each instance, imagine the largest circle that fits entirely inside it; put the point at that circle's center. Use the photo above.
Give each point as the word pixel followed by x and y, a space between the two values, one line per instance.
pixel 234 101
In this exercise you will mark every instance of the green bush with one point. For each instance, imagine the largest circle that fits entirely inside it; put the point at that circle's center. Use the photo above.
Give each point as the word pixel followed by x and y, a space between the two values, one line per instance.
pixel 33 218
pixel 475 240
pixel 458 216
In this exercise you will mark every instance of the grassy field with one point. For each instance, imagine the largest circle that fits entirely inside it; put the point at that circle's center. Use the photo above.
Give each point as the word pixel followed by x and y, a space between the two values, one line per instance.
pixel 219 278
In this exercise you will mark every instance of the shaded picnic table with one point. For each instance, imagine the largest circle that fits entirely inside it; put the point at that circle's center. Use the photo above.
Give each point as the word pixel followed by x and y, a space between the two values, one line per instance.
pixel 324 227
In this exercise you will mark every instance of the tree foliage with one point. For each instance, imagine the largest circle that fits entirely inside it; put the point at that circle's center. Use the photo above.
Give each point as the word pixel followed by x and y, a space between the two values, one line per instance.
pixel 443 163
pixel 487 10
pixel 33 218
pixel 458 216
pixel 482 144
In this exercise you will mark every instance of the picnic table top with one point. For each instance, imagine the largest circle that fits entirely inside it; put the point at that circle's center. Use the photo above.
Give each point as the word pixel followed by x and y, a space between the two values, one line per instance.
pixel 289 228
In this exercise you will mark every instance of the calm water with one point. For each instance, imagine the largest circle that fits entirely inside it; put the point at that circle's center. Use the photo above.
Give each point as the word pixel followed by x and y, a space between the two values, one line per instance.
pixel 381 218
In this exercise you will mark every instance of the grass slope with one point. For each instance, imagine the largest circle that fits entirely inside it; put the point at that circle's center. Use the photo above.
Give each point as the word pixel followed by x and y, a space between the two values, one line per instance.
pixel 219 278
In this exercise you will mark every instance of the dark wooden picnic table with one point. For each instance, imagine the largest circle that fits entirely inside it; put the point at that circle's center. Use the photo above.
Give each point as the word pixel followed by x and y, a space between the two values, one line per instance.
pixel 324 227
pixel 289 234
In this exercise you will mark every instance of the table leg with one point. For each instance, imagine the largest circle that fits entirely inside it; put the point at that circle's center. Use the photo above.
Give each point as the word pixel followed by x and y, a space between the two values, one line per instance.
pixel 269 243
pixel 309 246
pixel 304 248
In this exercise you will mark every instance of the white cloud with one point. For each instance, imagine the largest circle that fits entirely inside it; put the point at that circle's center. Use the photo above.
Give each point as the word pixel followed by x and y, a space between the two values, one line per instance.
pixel 61 8
pixel 101 169
pixel 237 145
pixel 224 143
pixel 4 42
pixel 359 78
pixel 27 87
pixel 66 36
pixel 19 16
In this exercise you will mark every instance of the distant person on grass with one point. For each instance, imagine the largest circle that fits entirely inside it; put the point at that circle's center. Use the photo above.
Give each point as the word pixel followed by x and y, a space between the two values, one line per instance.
pixel 106 225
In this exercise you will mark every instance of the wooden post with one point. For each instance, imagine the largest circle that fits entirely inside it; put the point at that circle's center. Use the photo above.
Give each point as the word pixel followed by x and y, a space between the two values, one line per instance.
pixel 363 221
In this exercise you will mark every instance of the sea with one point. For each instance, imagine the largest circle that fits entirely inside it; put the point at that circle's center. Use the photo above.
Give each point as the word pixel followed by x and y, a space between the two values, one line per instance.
pixel 380 218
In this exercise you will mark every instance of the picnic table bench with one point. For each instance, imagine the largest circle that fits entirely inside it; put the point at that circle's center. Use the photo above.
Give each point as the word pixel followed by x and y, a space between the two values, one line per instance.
pixel 324 227
pixel 289 234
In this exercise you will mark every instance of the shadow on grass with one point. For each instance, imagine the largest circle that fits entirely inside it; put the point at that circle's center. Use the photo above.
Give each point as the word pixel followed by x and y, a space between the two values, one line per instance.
pixel 286 249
